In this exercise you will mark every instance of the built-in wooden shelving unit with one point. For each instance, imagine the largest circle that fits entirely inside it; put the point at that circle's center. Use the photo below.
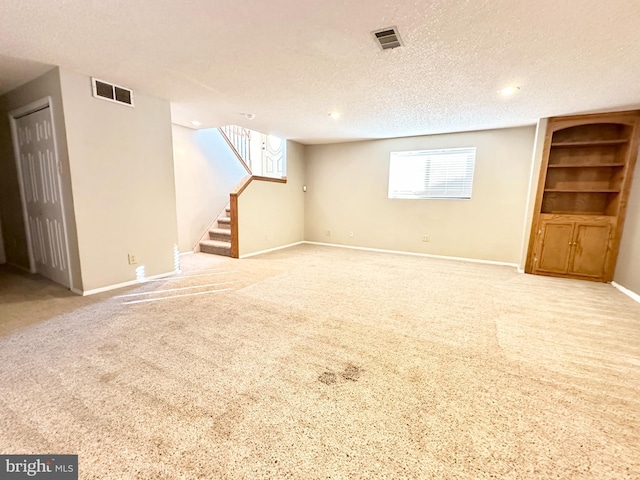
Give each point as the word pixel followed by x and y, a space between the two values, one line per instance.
pixel 584 183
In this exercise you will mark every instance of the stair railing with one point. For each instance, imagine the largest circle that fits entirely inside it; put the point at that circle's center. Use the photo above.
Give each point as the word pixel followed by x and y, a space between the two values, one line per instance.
pixel 239 139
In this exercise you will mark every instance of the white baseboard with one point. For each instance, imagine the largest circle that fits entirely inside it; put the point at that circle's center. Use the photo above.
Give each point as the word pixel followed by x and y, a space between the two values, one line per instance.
pixel 627 292
pixel 190 252
pixel 271 250
pixel 84 293
pixel 430 255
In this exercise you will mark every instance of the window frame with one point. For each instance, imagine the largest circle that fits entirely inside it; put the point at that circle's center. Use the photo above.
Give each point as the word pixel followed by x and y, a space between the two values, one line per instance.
pixel 420 174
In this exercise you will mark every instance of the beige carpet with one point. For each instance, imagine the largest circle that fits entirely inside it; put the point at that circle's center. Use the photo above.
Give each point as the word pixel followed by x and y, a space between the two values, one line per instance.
pixel 318 363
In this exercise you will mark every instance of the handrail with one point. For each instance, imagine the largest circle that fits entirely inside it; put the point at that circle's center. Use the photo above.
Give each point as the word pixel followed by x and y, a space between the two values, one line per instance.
pixel 239 139
pixel 269 179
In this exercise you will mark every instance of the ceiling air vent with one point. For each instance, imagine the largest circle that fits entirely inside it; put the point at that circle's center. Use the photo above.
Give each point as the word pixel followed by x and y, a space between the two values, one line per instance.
pixel 388 38
pixel 113 93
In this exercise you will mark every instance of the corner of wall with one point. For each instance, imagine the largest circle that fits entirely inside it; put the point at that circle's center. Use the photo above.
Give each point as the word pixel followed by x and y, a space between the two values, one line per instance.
pixel 627 272
pixel 536 163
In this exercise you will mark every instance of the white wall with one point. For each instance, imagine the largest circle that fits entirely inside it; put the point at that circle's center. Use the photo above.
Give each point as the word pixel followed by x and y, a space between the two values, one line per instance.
pixel 121 161
pixel 272 214
pixel 628 266
pixel 206 170
pixel 347 192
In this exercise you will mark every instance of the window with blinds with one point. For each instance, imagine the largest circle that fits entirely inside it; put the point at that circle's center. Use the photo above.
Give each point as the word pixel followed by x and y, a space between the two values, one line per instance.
pixel 446 173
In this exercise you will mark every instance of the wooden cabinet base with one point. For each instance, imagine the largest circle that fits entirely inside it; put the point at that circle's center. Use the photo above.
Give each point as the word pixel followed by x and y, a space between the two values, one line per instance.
pixel 573 246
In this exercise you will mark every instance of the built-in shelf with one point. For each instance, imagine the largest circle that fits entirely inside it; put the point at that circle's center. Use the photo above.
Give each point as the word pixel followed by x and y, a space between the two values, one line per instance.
pixel 573 212
pixel 582 190
pixel 582 165
pixel 582 195
pixel 588 143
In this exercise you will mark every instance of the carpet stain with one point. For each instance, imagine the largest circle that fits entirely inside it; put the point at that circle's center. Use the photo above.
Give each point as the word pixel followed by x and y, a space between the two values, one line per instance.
pixel 351 372
pixel 328 378
pixel 108 377
pixel 415 375
pixel 108 347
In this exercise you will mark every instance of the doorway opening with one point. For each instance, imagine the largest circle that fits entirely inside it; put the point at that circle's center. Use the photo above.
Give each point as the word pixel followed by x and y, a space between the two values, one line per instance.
pixel 38 166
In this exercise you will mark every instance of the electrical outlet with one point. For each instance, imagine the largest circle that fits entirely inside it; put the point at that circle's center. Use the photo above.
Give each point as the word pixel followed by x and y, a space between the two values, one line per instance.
pixel 351 234
pixel 425 238
pixel 132 259
pixel 328 233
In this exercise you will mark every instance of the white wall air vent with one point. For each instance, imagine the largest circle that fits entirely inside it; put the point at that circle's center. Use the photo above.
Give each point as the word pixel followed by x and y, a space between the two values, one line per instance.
pixel 387 38
pixel 113 93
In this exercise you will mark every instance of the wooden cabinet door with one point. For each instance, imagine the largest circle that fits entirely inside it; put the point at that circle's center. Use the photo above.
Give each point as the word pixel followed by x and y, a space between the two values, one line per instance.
pixel 554 248
pixel 591 245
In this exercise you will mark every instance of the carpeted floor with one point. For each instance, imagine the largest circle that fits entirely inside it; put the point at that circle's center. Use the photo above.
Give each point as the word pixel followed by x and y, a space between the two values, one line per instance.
pixel 317 363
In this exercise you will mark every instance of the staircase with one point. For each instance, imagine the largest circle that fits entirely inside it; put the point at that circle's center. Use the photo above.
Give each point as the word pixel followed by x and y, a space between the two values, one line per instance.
pixel 218 239
pixel 219 242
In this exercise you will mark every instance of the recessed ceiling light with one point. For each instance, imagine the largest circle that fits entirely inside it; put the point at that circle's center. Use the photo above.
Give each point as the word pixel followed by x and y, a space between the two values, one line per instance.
pixel 250 116
pixel 196 123
pixel 510 90
pixel 335 115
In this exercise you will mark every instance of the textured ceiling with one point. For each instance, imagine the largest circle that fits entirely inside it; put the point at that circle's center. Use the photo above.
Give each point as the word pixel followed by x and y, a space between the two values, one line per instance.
pixel 291 62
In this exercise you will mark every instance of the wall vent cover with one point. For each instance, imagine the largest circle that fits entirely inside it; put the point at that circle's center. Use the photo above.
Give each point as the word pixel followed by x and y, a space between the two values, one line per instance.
pixel 387 38
pixel 111 92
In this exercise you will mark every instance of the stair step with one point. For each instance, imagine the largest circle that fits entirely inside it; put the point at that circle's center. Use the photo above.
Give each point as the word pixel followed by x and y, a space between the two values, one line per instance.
pixel 228 211
pixel 224 222
pixel 223 234
pixel 216 247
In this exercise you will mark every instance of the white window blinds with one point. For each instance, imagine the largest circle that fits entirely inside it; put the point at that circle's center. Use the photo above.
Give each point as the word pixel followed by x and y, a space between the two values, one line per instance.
pixel 446 173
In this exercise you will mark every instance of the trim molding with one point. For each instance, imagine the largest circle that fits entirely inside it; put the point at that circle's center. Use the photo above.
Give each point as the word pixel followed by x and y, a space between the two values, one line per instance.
pixel 430 255
pixel 190 252
pixel 397 252
pixel 272 249
pixel 84 293
pixel 626 291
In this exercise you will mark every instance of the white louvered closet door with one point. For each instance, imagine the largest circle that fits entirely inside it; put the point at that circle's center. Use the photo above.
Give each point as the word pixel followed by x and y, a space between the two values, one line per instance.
pixel 41 181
